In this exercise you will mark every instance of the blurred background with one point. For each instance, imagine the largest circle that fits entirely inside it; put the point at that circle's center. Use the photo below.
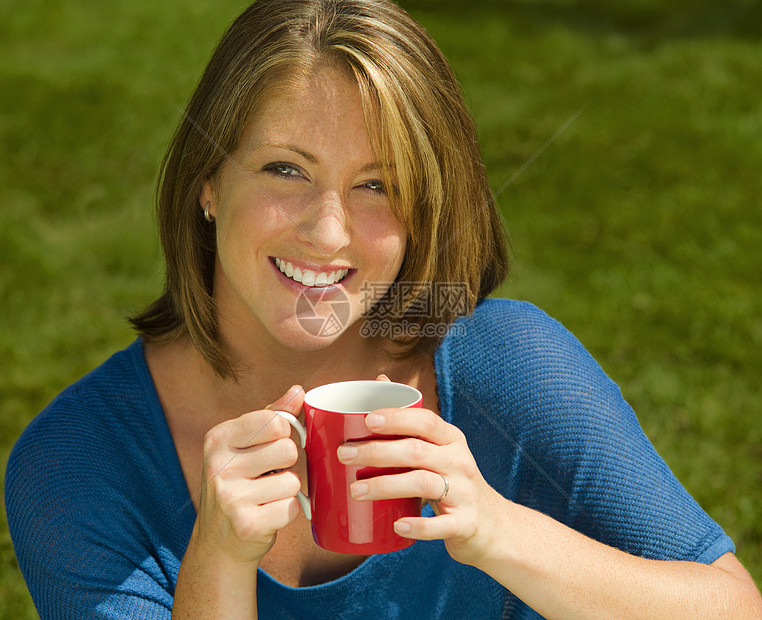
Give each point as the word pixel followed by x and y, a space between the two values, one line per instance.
pixel 624 140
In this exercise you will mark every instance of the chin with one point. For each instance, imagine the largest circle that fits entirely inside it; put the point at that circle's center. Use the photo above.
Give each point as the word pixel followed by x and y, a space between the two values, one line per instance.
pixel 306 342
pixel 314 331
pixel 301 335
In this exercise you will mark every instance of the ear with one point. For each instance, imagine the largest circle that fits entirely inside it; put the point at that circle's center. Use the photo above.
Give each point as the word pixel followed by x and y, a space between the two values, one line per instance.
pixel 208 195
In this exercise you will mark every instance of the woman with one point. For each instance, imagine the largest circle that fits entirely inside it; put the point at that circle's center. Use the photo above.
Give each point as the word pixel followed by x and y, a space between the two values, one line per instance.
pixel 326 154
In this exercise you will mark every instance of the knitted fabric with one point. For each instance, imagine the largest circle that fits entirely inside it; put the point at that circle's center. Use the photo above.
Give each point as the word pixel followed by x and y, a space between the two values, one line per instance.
pixel 100 514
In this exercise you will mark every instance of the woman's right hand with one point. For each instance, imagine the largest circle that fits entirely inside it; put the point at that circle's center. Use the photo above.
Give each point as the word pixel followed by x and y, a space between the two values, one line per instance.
pixel 248 494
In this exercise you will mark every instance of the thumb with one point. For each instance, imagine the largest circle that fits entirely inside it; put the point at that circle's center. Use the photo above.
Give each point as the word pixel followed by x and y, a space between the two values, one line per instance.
pixel 291 401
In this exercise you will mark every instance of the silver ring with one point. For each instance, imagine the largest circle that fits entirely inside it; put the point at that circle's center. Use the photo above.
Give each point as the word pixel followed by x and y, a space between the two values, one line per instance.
pixel 445 492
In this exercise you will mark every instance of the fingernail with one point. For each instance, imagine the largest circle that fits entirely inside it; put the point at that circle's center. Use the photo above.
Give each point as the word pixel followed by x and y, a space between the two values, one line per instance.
pixel 358 489
pixel 346 453
pixel 383 377
pixel 402 527
pixel 374 420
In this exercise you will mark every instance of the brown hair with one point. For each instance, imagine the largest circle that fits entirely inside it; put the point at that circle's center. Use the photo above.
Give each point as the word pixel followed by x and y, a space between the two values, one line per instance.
pixel 417 121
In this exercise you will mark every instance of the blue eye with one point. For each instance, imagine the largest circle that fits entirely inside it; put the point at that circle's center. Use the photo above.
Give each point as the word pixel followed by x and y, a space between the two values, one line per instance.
pixel 375 186
pixel 280 169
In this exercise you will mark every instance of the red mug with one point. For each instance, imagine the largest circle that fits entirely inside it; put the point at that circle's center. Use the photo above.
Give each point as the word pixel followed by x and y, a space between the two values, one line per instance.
pixel 334 414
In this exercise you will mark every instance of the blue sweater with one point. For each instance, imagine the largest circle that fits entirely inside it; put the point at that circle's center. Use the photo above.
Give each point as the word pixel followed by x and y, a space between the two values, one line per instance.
pixel 100 514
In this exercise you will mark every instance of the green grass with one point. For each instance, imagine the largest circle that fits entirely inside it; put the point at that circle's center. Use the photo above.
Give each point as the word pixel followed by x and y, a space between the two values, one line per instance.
pixel 638 226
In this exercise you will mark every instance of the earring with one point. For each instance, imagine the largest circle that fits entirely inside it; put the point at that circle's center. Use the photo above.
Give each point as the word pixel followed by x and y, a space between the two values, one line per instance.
pixel 208 216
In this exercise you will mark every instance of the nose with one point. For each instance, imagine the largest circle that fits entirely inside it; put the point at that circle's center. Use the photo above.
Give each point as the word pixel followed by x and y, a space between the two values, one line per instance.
pixel 325 224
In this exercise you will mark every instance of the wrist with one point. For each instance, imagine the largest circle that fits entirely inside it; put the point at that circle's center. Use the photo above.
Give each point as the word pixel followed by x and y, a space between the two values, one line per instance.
pixel 226 551
pixel 214 583
pixel 220 553
pixel 488 544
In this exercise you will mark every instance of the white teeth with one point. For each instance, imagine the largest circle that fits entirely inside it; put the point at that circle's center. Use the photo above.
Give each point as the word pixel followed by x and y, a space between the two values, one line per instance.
pixel 309 277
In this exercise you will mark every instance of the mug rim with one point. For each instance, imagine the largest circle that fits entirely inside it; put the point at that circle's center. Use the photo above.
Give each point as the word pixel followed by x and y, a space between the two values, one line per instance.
pixel 414 395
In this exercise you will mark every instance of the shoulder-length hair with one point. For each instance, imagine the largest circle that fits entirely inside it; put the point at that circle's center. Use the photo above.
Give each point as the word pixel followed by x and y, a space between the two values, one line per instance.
pixel 417 121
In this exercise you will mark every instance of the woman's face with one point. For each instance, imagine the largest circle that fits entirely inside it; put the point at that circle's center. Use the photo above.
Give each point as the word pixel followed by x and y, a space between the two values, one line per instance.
pixel 305 231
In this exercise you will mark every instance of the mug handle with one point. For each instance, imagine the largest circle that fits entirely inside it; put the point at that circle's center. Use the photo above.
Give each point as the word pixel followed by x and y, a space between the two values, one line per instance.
pixel 303 500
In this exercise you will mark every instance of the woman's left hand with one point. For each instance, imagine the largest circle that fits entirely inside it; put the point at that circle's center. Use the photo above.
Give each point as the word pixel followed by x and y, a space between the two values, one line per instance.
pixel 557 571
pixel 466 516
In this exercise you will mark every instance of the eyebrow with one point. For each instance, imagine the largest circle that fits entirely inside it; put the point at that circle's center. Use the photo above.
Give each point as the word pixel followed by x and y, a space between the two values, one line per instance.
pixel 309 157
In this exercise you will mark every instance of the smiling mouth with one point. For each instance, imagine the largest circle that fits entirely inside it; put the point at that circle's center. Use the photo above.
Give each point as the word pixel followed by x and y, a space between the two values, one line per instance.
pixel 307 277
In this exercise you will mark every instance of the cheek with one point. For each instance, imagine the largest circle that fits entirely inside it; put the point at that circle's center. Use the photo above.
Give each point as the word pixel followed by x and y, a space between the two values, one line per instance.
pixel 389 242
pixel 400 246
pixel 249 220
pixel 240 239
pixel 396 238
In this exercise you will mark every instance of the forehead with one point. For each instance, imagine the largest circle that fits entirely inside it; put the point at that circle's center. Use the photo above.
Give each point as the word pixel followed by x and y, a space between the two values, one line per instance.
pixel 326 102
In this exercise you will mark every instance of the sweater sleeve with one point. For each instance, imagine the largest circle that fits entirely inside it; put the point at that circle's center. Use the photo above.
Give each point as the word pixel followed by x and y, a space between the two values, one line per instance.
pixel 76 513
pixel 551 431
